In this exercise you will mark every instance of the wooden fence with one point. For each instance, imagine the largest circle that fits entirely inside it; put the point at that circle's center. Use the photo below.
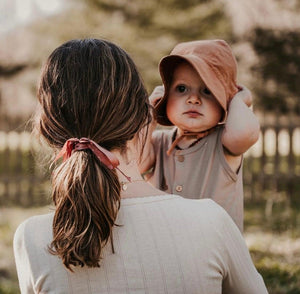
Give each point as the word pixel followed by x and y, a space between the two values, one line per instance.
pixel 271 167
pixel 23 180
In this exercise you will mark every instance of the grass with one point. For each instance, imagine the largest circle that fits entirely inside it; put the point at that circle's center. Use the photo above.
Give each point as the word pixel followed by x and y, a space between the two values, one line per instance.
pixel 272 237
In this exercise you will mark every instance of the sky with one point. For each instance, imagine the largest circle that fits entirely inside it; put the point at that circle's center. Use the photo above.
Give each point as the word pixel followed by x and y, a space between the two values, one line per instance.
pixel 266 13
pixel 21 12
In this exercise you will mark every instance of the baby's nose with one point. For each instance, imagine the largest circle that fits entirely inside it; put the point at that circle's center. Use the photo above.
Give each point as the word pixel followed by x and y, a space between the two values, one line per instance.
pixel 194 99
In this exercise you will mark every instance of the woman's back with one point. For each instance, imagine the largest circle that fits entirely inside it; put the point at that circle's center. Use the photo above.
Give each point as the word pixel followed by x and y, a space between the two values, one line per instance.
pixel 163 244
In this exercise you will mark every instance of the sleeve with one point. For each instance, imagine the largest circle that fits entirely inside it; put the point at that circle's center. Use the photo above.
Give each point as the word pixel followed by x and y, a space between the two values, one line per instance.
pixel 241 275
pixel 157 140
pixel 22 260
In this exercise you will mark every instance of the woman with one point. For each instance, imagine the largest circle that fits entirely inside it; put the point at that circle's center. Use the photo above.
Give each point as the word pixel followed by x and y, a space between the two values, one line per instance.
pixel 111 232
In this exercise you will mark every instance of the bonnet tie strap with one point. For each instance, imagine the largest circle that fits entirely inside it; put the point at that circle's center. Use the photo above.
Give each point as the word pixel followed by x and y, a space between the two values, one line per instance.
pixel 198 135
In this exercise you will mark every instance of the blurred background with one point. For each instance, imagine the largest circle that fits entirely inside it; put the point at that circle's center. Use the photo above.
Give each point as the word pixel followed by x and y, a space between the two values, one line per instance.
pixel 265 38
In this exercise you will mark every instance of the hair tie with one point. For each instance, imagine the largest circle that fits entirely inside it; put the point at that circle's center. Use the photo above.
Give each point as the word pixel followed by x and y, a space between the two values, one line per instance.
pixel 105 156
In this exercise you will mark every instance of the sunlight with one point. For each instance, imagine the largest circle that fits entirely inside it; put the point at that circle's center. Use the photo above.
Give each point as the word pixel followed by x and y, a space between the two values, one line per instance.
pixel 49 6
pixel 20 12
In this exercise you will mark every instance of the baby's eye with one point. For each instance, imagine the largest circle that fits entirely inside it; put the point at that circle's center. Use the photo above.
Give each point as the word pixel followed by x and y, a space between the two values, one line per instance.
pixel 206 91
pixel 181 88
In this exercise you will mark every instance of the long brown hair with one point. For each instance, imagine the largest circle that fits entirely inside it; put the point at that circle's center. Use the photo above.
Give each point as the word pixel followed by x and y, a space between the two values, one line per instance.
pixel 89 88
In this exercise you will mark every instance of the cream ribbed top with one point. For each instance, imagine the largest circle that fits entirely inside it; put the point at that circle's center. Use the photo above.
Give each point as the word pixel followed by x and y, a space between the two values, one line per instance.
pixel 165 244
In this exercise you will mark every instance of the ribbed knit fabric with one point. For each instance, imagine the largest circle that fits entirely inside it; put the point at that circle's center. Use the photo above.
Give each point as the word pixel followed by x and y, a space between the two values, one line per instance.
pixel 164 244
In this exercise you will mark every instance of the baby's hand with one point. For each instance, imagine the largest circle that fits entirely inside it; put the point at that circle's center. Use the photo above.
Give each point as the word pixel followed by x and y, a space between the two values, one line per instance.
pixel 244 94
pixel 156 95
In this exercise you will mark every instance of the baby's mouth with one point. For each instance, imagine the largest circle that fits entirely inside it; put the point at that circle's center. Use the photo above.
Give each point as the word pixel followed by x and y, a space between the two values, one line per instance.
pixel 192 113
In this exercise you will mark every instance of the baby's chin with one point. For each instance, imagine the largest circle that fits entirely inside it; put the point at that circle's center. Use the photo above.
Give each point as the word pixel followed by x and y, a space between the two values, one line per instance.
pixel 189 129
pixel 195 127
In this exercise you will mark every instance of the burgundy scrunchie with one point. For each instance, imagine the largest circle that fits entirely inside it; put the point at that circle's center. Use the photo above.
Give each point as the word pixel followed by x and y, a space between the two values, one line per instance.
pixel 105 156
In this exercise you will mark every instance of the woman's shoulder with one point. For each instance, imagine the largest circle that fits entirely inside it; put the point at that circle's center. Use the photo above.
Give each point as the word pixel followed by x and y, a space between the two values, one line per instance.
pixel 37 225
pixel 205 210
pixel 37 220
pixel 204 203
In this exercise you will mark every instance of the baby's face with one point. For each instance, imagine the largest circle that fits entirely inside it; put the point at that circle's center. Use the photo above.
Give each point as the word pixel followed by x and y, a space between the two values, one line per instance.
pixel 190 105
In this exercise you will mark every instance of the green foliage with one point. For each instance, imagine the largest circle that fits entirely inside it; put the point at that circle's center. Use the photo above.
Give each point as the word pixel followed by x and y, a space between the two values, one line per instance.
pixel 202 21
pixel 148 30
pixel 274 251
pixel 6 288
pixel 282 218
pixel 280 277
pixel 278 68
pixel 186 20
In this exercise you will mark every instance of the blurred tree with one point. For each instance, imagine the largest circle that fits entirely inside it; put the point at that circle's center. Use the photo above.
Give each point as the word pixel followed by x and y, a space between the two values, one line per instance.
pixel 7 71
pixel 186 20
pixel 278 69
pixel 156 26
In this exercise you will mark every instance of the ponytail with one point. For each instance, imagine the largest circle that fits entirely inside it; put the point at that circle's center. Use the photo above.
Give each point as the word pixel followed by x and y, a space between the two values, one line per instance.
pixel 86 194
pixel 88 89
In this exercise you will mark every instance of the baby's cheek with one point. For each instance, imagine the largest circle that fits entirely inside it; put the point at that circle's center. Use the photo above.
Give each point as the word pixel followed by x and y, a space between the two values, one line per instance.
pixel 170 108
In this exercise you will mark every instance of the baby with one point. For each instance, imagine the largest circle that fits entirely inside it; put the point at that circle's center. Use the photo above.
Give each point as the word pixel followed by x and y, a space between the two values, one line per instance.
pixel 202 156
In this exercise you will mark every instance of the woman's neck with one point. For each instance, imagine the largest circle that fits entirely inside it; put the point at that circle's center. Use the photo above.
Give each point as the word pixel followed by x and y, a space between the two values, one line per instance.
pixel 136 187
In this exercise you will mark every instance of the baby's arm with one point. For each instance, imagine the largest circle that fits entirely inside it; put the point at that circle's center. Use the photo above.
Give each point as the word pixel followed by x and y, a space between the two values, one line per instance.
pixel 148 157
pixel 242 127
pixel 245 94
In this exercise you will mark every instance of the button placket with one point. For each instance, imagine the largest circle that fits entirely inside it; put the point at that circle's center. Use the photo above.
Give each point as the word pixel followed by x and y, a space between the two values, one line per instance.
pixel 178 188
pixel 179 170
pixel 180 158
